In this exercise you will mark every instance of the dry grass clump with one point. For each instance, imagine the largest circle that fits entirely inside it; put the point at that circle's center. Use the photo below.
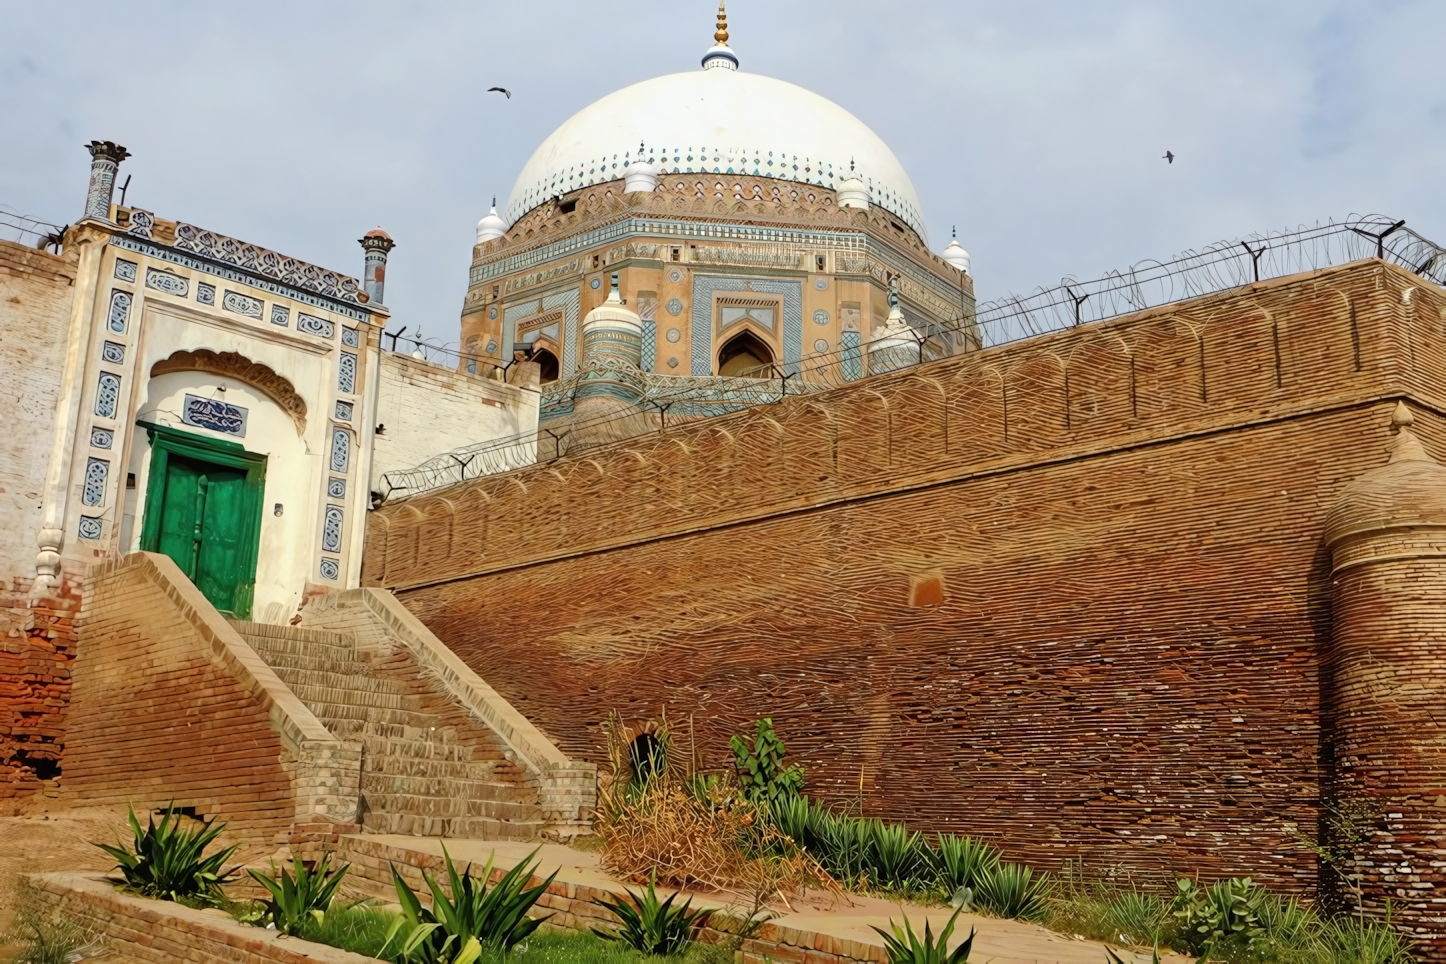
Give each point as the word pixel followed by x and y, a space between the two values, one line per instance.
pixel 690 829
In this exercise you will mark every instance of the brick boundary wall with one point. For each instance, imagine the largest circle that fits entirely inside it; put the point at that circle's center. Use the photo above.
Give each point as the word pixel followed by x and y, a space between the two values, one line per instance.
pixel 170 704
pixel 164 931
pixel 37 649
pixel 1069 594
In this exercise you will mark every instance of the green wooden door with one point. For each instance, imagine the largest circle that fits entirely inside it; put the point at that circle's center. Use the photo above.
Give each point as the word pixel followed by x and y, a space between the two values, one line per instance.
pixel 203 509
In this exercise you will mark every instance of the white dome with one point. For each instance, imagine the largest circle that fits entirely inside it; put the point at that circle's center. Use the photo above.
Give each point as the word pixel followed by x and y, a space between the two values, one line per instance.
pixel 491 226
pixel 956 255
pixel 718 121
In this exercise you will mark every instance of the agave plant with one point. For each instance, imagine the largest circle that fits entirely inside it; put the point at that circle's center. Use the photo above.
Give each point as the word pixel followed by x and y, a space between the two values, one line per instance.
pixel 900 859
pixel 959 862
pixel 797 818
pixel 1013 891
pixel 905 947
pixel 167 860
pixel 651 926
pixel 297 900
pixel 844 844
pixel 468 917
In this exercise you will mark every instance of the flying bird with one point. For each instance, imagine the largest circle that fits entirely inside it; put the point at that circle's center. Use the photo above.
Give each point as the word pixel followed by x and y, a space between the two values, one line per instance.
pixel 500 90
pixel 1169 156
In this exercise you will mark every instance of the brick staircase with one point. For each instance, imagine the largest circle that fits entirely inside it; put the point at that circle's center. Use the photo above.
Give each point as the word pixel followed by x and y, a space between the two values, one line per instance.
pixel 427 768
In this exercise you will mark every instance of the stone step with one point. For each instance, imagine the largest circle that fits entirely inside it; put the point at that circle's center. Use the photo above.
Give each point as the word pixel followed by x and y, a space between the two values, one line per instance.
pixel 325 637
pixel 315 696
pixel 365 731
pixel 348 666
pixel 456 771
pixel 328 712
pixel 474 828
pixel 341 649
pixel 424 805
pixel 399 754
pixel 363 684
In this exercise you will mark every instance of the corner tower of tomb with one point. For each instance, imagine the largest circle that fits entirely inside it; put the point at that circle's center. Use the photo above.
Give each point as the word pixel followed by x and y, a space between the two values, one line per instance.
pixel 750 223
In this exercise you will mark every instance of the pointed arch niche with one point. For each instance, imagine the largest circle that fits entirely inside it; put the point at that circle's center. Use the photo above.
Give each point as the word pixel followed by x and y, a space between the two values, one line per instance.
pixel 238 366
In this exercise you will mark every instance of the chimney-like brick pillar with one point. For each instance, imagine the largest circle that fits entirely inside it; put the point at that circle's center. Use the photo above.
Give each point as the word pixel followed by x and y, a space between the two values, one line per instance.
pixel 105 158
pixel 377 244
pixel 1387 537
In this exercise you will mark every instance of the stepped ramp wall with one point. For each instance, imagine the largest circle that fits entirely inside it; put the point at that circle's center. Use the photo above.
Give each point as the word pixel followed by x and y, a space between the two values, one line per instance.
pixel 566 789
pixel 1069 594
pixel 169 704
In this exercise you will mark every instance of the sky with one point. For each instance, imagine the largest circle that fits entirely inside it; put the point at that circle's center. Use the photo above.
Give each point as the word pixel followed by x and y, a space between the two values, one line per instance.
pixel 1038 128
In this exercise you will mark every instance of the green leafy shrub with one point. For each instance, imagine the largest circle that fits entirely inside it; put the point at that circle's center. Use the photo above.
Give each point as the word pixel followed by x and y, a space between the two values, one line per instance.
pixel 471 917
pixel 905 947
pixel 651 926
pixel 762 775
pixel 1229 910
pixel 168 860
pixel 959 862
pixel 305 897
pixel 1013 891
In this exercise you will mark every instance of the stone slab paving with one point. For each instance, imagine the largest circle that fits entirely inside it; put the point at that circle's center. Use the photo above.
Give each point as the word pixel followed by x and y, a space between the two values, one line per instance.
pixel 817 928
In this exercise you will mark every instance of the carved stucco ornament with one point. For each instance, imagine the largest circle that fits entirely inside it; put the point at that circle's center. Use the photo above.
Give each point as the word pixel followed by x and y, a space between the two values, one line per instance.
pixel 238 366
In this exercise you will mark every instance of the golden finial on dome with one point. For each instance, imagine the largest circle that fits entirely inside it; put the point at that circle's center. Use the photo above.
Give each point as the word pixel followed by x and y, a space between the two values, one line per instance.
pixel 722 35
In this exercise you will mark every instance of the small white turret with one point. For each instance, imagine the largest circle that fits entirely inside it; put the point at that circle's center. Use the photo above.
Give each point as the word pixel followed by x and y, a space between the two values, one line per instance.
pixel 640 176
pixel 852 193
pixel 956 255
pixel 491 226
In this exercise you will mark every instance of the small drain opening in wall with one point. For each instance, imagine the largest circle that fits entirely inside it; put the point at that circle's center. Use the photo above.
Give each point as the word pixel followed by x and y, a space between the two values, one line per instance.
pixel 647 757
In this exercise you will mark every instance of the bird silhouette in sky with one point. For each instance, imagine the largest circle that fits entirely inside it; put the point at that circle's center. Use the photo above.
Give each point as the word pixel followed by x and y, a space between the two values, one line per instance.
pixel 1169 156
pixel 500 90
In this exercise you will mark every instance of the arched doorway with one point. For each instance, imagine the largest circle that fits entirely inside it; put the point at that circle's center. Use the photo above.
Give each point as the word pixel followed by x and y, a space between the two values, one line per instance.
pixel 547 361
pixel 745 354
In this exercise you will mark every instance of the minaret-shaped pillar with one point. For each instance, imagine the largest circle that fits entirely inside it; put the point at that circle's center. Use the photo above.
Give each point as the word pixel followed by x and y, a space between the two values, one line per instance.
pixel 607 402
pixel 896 345
pixel 1387 536
pixel 105 158
pixel 377 244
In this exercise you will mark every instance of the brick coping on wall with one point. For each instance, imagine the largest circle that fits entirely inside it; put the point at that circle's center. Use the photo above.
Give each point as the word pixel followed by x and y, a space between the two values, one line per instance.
pixel 163 931
pixel 805 936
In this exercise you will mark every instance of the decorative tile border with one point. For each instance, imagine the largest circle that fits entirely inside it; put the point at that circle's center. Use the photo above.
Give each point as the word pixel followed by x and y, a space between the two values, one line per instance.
pixel 227 273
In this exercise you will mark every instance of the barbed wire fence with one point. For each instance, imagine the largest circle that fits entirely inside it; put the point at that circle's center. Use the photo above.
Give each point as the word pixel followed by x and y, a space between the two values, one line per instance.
pixel 32 232
pixel 670 400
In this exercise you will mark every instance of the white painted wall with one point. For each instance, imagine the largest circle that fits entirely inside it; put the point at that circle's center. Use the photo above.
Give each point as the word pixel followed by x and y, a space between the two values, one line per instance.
pixel 35 293
pixel 428 410
pixel 293 477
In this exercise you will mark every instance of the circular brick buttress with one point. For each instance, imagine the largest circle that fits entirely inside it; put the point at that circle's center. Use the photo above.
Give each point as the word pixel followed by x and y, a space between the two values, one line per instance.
pixel 1387 536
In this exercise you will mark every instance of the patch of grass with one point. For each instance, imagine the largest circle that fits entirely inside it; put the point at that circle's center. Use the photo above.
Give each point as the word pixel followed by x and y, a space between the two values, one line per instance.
pixel 360 928
pixel 44 939
pixel 560 947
